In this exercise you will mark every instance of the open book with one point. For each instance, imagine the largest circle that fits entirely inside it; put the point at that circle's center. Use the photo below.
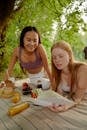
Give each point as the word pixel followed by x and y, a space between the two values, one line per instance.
pixel 49 97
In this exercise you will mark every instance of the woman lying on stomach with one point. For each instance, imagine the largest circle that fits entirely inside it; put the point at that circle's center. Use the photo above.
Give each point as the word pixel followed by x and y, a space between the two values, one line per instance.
pixel 69 76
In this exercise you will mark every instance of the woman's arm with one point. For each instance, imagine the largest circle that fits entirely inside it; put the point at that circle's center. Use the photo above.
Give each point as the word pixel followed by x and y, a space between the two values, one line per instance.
pixel 11 64
pixel 81 84
pixel 45 61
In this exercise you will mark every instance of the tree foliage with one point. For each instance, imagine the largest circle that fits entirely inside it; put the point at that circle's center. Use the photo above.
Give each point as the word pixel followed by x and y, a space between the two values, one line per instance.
pixel 55 20
pixel 7 8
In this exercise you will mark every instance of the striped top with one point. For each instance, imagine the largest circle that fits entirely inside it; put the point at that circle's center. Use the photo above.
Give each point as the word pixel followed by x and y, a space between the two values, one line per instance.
pixel 30 65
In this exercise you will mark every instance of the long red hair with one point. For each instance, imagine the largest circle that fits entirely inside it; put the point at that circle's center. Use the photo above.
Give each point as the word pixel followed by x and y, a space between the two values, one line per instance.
pixel 73 66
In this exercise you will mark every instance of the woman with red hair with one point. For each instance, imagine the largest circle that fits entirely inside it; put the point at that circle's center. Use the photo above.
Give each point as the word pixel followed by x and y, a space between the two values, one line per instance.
pixel 69 76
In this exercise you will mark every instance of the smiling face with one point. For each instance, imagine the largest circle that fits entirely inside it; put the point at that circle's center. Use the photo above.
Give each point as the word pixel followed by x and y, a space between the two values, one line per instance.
pixel 60 58
pixel 31 41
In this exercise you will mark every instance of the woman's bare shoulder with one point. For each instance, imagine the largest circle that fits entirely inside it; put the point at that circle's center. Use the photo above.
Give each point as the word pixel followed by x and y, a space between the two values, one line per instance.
pixel 40 47
pixel 16 51
pixel 42 52
pixel 82 71
pixel 83 68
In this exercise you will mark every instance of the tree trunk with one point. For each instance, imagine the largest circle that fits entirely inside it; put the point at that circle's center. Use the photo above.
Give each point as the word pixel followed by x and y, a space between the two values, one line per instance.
pixel 6 9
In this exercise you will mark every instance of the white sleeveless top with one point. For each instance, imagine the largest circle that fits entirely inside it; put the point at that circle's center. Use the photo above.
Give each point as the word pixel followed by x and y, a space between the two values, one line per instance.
pixel 64 87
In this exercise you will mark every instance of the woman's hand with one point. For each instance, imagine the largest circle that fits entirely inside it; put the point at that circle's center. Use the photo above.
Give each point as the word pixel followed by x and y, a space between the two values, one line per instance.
pixel 58 108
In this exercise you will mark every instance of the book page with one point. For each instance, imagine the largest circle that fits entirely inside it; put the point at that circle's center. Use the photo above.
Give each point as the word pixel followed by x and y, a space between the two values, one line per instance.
pixel 49 97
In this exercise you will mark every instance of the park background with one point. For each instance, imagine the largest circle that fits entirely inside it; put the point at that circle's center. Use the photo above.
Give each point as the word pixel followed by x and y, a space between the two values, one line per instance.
pixel 55 20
